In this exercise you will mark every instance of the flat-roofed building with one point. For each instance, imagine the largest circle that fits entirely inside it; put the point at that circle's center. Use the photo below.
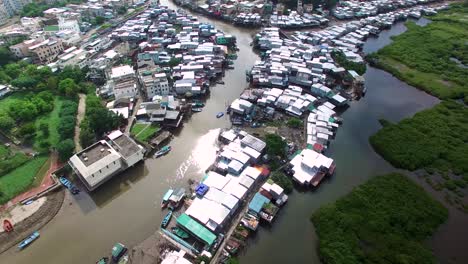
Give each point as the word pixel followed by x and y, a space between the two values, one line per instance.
pixel 106 158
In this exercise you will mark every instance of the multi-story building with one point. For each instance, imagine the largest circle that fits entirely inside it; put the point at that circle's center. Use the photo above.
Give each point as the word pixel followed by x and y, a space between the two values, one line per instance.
pixel 104 159
pixel 47 50
pixel 65 23
pixel 153 83
pixel 123 81
pixel 3 15
pixel 12 7
pixel 21 50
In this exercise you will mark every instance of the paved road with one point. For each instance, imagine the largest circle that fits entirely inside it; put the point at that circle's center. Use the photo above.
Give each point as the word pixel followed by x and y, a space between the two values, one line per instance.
pixel 79 117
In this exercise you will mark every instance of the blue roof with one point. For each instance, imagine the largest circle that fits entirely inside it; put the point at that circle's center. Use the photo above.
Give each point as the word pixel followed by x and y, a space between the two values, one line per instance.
pixel 168 194
pixel 257 203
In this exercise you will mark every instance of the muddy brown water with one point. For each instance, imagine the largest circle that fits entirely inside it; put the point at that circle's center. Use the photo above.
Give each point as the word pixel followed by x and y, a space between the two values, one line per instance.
pixel 126 209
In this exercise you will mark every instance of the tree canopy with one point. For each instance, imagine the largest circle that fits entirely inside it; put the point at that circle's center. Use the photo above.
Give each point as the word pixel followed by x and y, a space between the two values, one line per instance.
pixel 382 221
pixel 276 146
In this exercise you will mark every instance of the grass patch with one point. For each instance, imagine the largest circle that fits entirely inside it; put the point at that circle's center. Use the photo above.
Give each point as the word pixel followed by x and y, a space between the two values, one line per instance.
pixel 42 172
pixel 424 56
pixel 137 128
pixel 52 120
pixel 20 179
pixel 384 220
pixel 144 132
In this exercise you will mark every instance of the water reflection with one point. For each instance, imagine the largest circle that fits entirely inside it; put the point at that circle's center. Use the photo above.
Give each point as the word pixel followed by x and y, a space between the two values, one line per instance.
pixel 202 156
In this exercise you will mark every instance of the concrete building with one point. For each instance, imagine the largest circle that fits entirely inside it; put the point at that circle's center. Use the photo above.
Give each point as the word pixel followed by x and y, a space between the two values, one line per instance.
pixel 47 50
pixel 124 81
pixel 21 50
pixel 153 83
pixel 106 158
pixel 65 23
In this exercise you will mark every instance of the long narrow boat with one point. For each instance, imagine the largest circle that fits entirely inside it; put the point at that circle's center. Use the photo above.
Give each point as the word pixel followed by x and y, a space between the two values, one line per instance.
pixel 165 199
pixel 118 250
pixel 180 233
pixel 69 185
pixel 28 240
pixel 166 219
pixel 164 150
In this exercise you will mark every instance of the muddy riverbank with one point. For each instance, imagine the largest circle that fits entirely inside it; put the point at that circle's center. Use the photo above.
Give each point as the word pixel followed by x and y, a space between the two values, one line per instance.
pixel 36 221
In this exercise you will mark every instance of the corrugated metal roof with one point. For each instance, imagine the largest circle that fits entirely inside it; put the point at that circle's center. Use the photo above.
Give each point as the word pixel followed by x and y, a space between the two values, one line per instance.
pixel 196 229
pixel 257 203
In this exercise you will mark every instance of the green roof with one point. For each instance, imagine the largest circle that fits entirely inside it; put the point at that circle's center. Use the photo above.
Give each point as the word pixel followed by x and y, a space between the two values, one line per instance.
pixel 51 28
pixel 196 229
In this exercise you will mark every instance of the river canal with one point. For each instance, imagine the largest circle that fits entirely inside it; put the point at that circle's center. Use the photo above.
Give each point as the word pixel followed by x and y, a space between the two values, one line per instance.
pixel 126 209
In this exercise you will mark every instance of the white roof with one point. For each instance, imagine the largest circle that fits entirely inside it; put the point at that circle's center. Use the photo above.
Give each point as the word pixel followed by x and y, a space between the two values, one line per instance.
pixel 252 172
pixel 209 213
pixel 222 198
pixel 121 71
pixel 234 188
pixel 229 135
pixel 215 180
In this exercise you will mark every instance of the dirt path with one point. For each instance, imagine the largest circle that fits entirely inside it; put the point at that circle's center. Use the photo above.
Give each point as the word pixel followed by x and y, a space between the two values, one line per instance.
pixel 79 118
pixel 132 117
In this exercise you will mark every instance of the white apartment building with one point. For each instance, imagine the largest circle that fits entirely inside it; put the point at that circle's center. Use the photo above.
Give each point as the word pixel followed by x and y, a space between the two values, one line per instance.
pixel 68 24
pixel 123 81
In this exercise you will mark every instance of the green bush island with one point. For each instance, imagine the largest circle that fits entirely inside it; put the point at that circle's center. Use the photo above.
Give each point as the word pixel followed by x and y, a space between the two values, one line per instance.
pixel 384 220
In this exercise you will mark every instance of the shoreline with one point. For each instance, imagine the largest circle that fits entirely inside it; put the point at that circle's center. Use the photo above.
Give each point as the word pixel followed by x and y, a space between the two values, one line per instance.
pixel 36 221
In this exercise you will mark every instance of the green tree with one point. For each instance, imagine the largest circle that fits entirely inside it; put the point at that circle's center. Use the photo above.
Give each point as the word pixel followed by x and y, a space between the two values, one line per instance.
pixel 72 72
pixel 6 122
pixel 68 87
pixel 282 180
pixel 276 146
pixel 5 56
pixel 24 81
pixel 122 10
pixel 65 149
pixel 99 20
pixel 294 122
pixel 52 83
pixel 44 128
pixel 66 127
pixel 13 70
pixel 27 130
pixel 86 134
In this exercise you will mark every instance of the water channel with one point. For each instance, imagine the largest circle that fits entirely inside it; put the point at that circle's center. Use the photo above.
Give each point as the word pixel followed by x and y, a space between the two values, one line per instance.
pixel 126 208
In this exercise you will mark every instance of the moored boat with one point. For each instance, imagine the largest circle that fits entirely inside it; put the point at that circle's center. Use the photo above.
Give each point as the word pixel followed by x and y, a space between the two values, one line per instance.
pixel 28 240
pixel 7 226
pixel 166 219
pixel 163 151
pixel 118 250
pixel 197 109
pixel 69 185
pixel 165 199
pixel 219 115
pixel 103 260
pixel 180 233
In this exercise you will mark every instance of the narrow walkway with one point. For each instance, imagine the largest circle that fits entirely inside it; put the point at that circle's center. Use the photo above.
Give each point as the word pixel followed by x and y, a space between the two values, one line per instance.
pixel 79 118
pixel 136 106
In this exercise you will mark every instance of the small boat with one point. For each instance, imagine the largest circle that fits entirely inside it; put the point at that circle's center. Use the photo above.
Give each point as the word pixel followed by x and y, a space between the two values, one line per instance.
pixel 166 219
pixel 7 226
pixel 180 233
pixel 28 240
pixel 198 104
pixel 163 151
pixel 197 110
pixel 69 185
pixel 118 250
pixel 220 82
pixel 124 259
pixel 166 197
pixel 103 260
pixel 219 115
